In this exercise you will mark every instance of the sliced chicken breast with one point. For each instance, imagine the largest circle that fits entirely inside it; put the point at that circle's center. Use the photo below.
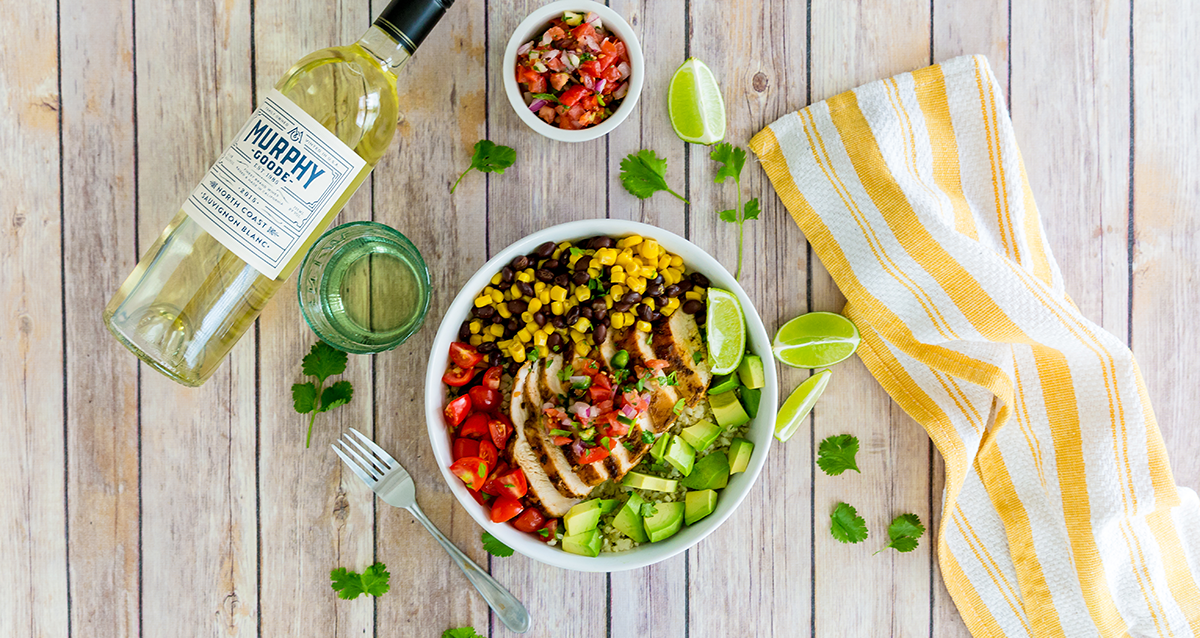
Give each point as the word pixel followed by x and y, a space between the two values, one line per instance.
pixel 662 398
pixel 541 490
pixel 676 341
pixel 591 474
pixel 553 461
pixel 624 458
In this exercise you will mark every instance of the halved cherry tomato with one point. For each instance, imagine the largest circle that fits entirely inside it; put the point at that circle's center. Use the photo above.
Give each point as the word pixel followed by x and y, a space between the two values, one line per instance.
pixel 491 378
pixel 512 483
pixel 457 376
pixel 481 498
pixel 463 448
pixel 464 355
pixel 530 520
pixel 546 534
pixel 572 95
pixel 500 428
pixel 505 508
pixel 561 440
pixel 593 454
pixel 475 426
pixel 492 485
pixel 488 453
pixel 457 410
pixel 484 398
pixel 472 470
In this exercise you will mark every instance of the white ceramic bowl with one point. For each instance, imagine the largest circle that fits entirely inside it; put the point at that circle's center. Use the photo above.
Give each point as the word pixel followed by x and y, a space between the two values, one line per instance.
pixel 760 431
pixel 532 26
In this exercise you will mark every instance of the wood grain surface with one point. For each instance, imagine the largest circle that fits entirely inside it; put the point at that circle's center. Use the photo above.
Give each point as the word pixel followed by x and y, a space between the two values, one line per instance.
pixel 136 507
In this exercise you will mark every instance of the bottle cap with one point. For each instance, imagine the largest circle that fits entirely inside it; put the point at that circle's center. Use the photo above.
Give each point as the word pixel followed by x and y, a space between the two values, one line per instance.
pixel 409 21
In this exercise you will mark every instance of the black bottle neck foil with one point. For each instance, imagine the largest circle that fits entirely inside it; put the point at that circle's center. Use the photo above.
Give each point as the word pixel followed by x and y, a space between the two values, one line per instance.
pixel 409 21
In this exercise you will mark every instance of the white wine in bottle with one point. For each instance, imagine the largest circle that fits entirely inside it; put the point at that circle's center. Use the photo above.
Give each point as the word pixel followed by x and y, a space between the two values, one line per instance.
pixel 273 191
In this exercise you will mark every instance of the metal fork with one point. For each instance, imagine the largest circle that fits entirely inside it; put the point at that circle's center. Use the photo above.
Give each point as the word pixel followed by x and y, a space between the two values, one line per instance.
pixel 392 483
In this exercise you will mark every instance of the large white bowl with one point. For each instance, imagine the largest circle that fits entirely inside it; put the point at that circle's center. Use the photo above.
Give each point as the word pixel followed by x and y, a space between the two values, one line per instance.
pixel 534 24
pixel 760 430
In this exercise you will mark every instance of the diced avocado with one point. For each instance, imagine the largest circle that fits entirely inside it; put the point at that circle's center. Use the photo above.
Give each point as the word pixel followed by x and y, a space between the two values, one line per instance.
pixel 750 400
pixel 701 435
pixel 583 516
pixel 750 372
pixel 607 505
pixel 680 455
pixel 660 447
pixel 640 481
pixel 728 410
pixel 629 519
pixel 585 544
pixel 739 455
pixel 723 383
pixel 710 473
pixel 699 504
pixel 572 18
pixel 666 520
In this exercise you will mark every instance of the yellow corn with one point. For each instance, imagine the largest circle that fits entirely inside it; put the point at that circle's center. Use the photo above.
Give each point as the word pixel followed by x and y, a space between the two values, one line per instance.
pixel 539 286
pixel 544 296
pixel 576 335
pixel 664 262
pixel 647 272
pixel 583 325
pixel 649 303
pixel 558 293
pixel 649 249
pixel 618 321
pixel 593 272
pixel 557 307
pixel 617 291
pixel 700 291
pixel 496 330
pixel 574 258
pixel 692 294
pixel 636 284
pixel 475 327
pixel 608 302
pixel 606 256
pixel 497 296
pixel 671 276
pixel 483 300
pixel 496 279
pixel 487 336
pixel 673 302
pixel 518 353
pixel 583 293
pixel 527 317
pixel 539 338
pixel 676 261
pixel 525 276
pixel 535 305
pixel 668 311
pixel 524 335
pixel 531 327
pixel 513 292
pixel 476 340
pixel 615 277
pixel 632 240
pixel 643 326
pixel 502 310
pixel 582 348
pixel 625 259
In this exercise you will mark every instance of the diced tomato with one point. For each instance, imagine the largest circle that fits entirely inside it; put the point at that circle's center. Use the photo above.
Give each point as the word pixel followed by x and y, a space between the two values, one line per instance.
pixel 601 389
pixel 481 498
pixel 611 74
pixel 657 364
pixel 464 355
pixel 488 453
pixel 584 29
pixel 530 520
pixel 592 67
pixel 464 448
pixel 513 483
pixel 547 113
pixel 609 47
pixel 593 454
pixel 548 530
pixel 484 398
pixel 500 428
pixel 622 52
pixel 491 378
pixel 559 80
pixel 457 376
pixel 457 410
pixel 471 470
pixel 572 95
pixel 553 33
pixel 534 80
pixel 610 425
pixel 505 508
pixel 492 485
pixel 475 427
pixel 555 64
pixel 561 440
pixel 589 103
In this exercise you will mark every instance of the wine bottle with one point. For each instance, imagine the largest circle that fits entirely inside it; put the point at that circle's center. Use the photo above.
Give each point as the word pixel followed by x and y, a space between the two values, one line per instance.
pixel 243 230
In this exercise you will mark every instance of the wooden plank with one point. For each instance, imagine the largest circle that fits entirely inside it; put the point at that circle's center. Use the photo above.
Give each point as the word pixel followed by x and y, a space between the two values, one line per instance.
pixel 442 105
pixel 853 46
pixel 199 566
pixel 99 179
pixel 753 575
pixel 33 536
pixel 1166 196
pixel 316 515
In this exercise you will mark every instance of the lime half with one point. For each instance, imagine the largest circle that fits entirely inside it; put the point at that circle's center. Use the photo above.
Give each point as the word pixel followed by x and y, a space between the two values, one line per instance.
pixel 726 331
pixel 799 404
pixel 695 104
pixel 815 340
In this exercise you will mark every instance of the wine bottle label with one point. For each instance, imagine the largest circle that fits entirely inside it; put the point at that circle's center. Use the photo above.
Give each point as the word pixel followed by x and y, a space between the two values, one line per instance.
pixel 271 189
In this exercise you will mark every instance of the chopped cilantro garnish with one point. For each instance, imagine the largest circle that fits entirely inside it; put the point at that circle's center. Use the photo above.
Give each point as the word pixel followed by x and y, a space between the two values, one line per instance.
pixel 647 437
pixel 696 357
pixel 678 408
pixel 669 380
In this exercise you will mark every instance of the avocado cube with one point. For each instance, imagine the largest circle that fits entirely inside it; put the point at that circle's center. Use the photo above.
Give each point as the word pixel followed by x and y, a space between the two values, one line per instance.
pixel 751 398
pixel 660 447
pixel 680 455
pixel 585 543
pixel 750 372
pixel 710 473
pixel 666 520
pixel 699 504
pixel 728 410
pixel 739 455
pixel 629 519
pixel 583 516
pixel 701 435
pixel 723 383
pixel 640 481
pixel 608 505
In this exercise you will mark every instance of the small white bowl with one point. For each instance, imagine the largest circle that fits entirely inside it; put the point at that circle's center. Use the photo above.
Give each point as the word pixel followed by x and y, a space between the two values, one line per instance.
pixel 534 24
pixel 760 431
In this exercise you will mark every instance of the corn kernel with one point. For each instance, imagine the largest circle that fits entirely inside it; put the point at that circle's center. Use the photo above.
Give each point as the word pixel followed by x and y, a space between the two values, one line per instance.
pixel 673 302
pixel 503 312
pixel 617 291
pixel 617 278
pixel 632 240
pixel 700 291
pixel 574 258
pixel 581 348
pixel 497 296
pixel 539 286
pixel 524 335
pixel 527 317
pixel 647 272
pixel 476 340
pixel 583 325
pixel 496 329
pixel 692 294
pixel 557 307
pixel 608 302
pixel 518 353
pixel 606 256
pixel 671 276
pixel 475 326
pixel 558 293
pixel 525 276
pixel 593 272
pixel 483 300
pixel 509 295
pixel 630 318
pixel 617 320
pixel 539 338
pixel 664 262
pixel 531 327
pixel 544 296
pixel 495 279
pixel 643 326
pixel 535 305
pixel 583 293
pixel 636 284
pixel 649 249
pixel 624 259
pixel 487 336
pixel 575 335
pixel 676 261
pixel 649 303
pixel 668 311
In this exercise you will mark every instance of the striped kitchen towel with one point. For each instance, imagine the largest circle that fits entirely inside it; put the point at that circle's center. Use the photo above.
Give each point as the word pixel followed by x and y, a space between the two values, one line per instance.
pixel 1060 515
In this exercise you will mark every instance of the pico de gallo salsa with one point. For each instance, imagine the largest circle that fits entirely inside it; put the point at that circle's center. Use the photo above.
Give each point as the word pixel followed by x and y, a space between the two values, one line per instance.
pixel 575 74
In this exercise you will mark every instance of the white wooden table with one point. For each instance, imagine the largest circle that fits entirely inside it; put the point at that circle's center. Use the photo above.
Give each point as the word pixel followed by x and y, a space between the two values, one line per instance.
pixel 136 507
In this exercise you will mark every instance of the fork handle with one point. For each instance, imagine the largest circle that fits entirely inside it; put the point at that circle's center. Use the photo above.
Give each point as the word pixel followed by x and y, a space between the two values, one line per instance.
pixel 510 610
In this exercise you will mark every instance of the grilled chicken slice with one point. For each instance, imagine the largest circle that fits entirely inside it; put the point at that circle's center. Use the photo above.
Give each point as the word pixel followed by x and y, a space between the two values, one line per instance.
pixel 676 341
pixel 591 474
pixel 521 453
pixel 624 459
pixel 553 461
pixel 662 397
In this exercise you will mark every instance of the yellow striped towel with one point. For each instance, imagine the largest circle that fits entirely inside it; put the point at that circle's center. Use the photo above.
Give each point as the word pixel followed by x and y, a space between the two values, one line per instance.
pixel 1060 515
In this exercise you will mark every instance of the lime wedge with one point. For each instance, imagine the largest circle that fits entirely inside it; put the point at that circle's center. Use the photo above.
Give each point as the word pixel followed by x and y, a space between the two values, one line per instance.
pixel 815 340
pixel 695 104
pixel 799 404
pixel 726 331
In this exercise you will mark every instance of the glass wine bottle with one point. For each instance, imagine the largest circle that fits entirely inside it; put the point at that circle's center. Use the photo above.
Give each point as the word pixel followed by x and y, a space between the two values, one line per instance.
pixel 272 192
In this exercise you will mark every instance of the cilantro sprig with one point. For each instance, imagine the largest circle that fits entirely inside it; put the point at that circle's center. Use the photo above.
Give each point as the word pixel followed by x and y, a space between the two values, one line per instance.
pixel 904 533
pixel 494 546
pixel 644 173
pixel 846 525
pixel 461 632
pixel 732 159
pixel 350 585
pixel 322 361
pixel 488 158
pixel 836 454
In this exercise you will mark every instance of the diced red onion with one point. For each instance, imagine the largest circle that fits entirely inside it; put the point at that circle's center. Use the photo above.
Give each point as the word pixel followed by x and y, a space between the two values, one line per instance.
pixel 572 60
pixel 600 85
pixel 587 80
pixel 621 91
pixel 628 411
pixel 577 448
pixel 537 105
pixel 623 69
pixel 524 48
pixel 579 408
pixel 592 412
pixel 546 39
pixel 550 55
pixel 594 20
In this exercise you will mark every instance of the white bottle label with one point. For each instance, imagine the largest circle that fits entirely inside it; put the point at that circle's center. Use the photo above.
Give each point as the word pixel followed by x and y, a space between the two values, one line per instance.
pixel 270 190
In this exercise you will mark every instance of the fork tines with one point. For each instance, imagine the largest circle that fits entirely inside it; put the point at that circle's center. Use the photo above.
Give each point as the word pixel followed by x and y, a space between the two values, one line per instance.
pixel 371 463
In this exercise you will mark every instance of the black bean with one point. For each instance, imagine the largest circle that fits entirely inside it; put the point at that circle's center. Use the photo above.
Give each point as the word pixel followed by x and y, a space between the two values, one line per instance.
pixel 622 306
pixel 580 278
pixel 464 331
pixel 562 280
pixel 701 318
pixel 506 274
pixel 513 366
pixel 520 262
pixel 631 297
pixel 653 316
pixel 598 305
pixel 545 250
pixel 539 318
pixel 700 280
pixel 599 333
pixel 525 288
pixel 551 264
pixel 654 290
pixel 672 291
pixel 554 341
pixel 658 279
pixel 493 359
pixel 496 318
pixel 583 262
pixel 485 312
pixel 517 306
pixel 685 285
pixel 643 313
pixel 601 242
pixel 486 347
pixel 513 324
pixel 601 314
pixel 691 306
pixel 544 275
pixel 572 316
pixel 587 313
pixel 558 322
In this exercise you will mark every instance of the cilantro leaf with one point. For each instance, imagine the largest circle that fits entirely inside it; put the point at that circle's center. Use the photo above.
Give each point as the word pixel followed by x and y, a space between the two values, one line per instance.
pixel 647 437
pixel 461 632
pixel 304 397
pixel 645 173
pixel 728 215
pixel 752 210
pixel 836 454
pixel 350 585
pixel 678 407
pixel 488 158
pixel 323 361
pixel 905 533
pixel 648 509
pixel 732 160
pixel 697 356
pixel 493 546
pixel 846 525
pixel 549 97
pixel 337 394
